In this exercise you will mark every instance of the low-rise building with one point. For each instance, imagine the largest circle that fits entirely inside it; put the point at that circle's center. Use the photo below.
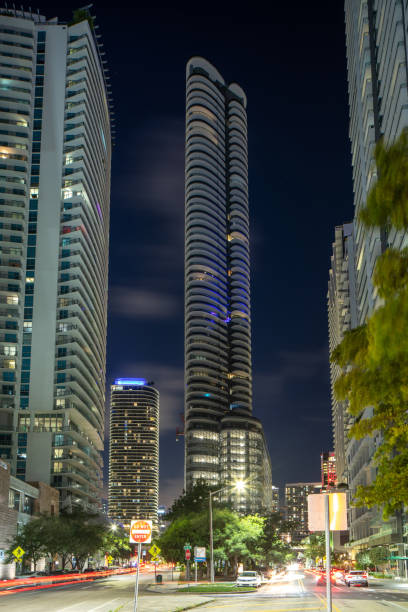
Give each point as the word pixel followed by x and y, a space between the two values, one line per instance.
pixel 19 503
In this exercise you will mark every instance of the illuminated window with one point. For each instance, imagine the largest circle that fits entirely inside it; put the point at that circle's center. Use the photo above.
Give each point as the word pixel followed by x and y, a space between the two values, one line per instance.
pixel 10 350
pixel 34 193
pixel 9 363
pixel 12 299
pixel 67 194
pixel 28 327
pixel 57 466
pixel 58 452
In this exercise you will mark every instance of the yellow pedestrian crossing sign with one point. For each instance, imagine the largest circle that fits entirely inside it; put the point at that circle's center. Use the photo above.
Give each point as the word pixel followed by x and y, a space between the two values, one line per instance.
pixel 154 550
pixel 18 553
pixel 109 559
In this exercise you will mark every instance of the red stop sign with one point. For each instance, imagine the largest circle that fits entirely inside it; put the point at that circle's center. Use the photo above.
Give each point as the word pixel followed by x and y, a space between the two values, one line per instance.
pixel 188 554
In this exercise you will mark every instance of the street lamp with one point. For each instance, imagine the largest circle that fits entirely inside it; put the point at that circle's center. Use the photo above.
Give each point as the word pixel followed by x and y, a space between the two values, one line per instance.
pixel 113 527
pixel 239 485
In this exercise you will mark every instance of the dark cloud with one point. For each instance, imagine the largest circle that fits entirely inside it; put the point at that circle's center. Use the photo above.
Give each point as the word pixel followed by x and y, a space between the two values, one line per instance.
pixel 142 303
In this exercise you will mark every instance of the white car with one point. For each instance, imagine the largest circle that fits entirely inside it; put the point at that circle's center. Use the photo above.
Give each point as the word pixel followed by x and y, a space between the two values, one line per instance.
pixel 252 579
pixel 356 577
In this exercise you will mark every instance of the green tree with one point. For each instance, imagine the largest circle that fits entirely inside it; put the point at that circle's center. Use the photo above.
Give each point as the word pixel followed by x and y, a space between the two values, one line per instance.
pixel 274 545
pixel 236 538
pixel 374 357
pixel 379 556
pixel 116 543
pixel 314 546
pixel 363 559
pixel 195 500
pixel 30 539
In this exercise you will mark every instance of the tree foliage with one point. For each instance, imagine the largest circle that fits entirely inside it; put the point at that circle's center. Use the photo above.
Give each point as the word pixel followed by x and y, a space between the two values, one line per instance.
pixel 72 537
pixel 374 357
pixel 253 540
pixel 29 538
pixel 195 500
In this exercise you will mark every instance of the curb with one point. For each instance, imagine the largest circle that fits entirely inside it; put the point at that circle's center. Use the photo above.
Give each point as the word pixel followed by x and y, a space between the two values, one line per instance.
pixel 203 603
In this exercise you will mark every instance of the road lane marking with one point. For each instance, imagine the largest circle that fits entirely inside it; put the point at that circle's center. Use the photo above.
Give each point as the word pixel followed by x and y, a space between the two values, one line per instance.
pixel 288 609
pixel 105 603
pixel 324 600
pixel 72 606
pixel 392 603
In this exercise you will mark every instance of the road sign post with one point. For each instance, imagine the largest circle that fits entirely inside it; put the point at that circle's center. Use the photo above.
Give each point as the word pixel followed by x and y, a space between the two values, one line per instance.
pixel 327 512
pixel 140 532
pixel 328 552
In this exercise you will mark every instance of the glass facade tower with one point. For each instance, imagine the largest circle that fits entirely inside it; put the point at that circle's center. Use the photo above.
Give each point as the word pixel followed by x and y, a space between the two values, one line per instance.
pixel 55 155
pixel 134 451
pixel 377 65
pixel 218 370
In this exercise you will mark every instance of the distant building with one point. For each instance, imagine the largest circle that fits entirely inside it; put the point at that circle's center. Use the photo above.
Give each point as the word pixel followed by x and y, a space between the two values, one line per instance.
pixel 275 499
pixel 19 502
pixel 342 316
pixel 328 470
pixel 223 441
pixel 134 451
pixel 296 494
pixel 161 519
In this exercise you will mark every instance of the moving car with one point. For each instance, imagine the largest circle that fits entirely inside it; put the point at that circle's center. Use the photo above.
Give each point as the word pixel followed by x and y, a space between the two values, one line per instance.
pixel 356 577
pixel 249 579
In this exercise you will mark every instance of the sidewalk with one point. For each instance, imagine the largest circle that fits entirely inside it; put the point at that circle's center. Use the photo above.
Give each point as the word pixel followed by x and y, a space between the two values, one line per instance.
pixel 164 598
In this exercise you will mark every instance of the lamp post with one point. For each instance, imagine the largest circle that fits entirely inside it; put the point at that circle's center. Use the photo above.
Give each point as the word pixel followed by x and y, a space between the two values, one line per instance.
pixel 239 486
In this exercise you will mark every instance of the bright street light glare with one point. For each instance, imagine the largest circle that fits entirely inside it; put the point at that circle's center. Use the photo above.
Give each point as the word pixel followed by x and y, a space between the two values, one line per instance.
pixel 239 485
pixel 114 527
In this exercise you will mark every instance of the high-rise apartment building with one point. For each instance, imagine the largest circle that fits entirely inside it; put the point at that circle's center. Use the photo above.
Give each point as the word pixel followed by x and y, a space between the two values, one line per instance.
pixel 223 441
pixel 377 52
pixel 296 494
pixel 275 499
pixel 342 316
pixel 134 451
pixel 55 156
pixel 328 470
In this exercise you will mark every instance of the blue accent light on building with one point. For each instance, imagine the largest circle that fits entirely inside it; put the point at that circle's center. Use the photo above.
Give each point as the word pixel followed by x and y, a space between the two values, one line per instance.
pixel 130 381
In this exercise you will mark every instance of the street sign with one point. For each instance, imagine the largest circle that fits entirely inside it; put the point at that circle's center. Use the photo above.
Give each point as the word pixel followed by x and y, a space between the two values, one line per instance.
pixel 187 546
pixel 109 559
pixel 140 532
pixel 187 553
pixel 18 553
pixel 154 550
pixel 199 553
pixel 398 558
pixel 337 509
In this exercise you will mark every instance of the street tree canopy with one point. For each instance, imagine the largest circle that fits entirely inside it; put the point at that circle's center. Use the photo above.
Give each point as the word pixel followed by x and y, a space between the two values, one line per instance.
pixel 374 356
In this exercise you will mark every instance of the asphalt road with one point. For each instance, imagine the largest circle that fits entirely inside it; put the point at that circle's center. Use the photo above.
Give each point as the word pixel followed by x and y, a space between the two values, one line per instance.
pixel 103 595
pixel 295 592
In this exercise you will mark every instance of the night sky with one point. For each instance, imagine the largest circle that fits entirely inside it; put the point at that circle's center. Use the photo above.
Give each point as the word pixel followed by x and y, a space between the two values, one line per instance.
pixel 291 62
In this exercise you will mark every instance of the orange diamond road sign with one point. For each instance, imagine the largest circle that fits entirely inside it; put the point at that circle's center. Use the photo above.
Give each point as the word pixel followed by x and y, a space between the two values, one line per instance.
pixel 140 532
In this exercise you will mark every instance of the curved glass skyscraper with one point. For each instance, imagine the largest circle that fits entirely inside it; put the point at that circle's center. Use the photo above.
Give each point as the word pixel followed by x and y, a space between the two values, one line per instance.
pixel 218 371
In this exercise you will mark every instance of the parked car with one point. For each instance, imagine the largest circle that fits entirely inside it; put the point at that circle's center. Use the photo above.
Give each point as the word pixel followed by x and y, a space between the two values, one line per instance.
pixel 249 579
pixel 356 577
